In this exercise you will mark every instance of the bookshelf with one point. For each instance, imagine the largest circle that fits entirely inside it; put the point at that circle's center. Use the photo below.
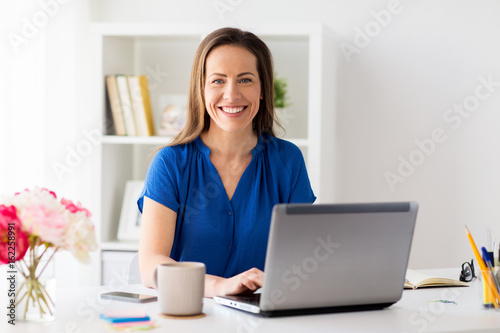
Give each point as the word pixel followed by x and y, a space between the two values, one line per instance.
pixel 304 54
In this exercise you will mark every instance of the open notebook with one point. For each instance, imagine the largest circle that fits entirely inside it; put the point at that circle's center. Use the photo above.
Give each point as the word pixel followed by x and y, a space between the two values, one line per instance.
pixel 417 279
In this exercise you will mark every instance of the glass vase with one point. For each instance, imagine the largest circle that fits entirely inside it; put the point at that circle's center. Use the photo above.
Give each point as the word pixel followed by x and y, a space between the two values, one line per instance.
pixel 36 286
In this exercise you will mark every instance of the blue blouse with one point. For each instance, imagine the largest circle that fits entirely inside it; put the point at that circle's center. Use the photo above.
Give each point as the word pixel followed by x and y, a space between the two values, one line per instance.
pixel 229 236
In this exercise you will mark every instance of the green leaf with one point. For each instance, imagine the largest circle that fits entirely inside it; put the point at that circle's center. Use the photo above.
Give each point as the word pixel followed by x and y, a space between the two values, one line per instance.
pixel 280 92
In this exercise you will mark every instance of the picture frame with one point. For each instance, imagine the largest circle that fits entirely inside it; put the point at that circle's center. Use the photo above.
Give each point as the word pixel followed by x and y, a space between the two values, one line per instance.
pixel 130 216
pixel 174 113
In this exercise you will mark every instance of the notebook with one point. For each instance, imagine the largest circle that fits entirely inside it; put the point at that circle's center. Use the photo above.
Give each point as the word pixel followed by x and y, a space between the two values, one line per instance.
pixel 333 257
pixel 417 279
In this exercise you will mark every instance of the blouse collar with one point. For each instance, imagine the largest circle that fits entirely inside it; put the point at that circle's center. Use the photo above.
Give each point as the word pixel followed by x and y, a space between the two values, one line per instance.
pixel 259 147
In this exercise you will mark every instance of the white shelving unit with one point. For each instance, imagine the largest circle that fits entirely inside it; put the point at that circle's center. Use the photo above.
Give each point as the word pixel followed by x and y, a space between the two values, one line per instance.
pixel 304 54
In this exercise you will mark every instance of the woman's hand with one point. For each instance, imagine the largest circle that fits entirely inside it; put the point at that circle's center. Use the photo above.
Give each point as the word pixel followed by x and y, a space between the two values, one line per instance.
pixel 246 282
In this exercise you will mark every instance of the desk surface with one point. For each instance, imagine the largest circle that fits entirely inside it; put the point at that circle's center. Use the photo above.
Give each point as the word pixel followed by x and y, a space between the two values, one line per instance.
pixel 78 311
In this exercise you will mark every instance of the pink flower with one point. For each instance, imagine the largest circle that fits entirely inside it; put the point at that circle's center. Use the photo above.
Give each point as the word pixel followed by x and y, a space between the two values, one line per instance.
pixel 75 208
pixel 60 224
pixel 50 192
pixel 49 224
pixel 14 241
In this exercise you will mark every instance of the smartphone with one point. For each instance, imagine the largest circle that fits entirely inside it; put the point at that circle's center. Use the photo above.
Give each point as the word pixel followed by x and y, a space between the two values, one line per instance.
pixel 129 297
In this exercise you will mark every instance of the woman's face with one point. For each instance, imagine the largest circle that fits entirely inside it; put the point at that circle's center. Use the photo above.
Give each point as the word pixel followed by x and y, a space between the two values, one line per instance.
pixel 232 88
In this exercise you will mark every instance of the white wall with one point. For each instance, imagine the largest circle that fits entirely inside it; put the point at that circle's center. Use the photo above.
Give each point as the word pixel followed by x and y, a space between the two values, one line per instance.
pixel 22 105
pixel 393 92
pixel 44 105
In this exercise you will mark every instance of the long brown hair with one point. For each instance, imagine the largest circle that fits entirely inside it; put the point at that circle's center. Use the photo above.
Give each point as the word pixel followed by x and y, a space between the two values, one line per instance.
pixel 198 119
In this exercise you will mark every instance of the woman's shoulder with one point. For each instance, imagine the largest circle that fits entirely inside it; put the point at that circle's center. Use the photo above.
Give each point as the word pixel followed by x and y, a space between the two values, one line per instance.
pixel 171 151
pixel 176 153
pixel 281 147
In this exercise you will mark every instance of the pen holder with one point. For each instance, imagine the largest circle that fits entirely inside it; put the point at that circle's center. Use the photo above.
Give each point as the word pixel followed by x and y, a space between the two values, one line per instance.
pixel 489 281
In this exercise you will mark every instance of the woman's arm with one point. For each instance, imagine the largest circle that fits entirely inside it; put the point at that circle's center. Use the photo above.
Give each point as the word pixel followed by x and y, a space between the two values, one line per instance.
pixel 156 240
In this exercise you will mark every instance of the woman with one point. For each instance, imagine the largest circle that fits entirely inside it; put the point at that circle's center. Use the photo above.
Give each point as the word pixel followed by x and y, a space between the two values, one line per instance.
pixel 208 196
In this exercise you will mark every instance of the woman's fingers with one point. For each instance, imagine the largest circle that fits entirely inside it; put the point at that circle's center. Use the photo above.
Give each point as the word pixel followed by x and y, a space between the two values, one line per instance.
pixel 253 278
pixel 249 284
pixel 250 280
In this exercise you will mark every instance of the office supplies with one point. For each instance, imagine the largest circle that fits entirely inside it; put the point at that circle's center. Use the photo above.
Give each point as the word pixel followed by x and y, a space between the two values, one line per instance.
pixel 488 297
pixel 146 323
pixel 123 319
pixel 134 312
pixel 418 279
pixel 467 273
pixel 487 278
pixel 444 301
pixel 333 257
pixel 488 260
pixel 133 326
pixel 127 319
pixel 495 279
pixel 487 256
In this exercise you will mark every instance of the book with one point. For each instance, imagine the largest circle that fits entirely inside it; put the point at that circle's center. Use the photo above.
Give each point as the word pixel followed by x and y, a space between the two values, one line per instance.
pixel 115 105
pixel 137 105
pixel 148 110
pixel 141 104
pixel 126 104
pixel 417 279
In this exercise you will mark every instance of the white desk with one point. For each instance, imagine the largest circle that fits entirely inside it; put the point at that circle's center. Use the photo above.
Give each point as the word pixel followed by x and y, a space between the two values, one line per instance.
pixel 78 311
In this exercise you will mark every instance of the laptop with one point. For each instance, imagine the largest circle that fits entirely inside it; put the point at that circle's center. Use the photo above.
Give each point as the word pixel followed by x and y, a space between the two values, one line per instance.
pixel 331 258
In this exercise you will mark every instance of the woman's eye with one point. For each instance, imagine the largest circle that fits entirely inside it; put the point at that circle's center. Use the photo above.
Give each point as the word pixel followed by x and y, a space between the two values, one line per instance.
pixel 245 80
pixel 218 81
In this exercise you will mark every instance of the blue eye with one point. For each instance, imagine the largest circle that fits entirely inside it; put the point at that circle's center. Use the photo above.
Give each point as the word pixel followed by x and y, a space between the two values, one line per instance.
pixel 218 81
pixel 245 80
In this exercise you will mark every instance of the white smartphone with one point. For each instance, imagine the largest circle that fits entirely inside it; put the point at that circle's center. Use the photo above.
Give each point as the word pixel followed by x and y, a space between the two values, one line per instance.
pixel 129 297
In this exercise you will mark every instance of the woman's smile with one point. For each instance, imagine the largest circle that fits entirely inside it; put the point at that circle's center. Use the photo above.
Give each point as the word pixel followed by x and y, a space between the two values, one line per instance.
pixel 232 109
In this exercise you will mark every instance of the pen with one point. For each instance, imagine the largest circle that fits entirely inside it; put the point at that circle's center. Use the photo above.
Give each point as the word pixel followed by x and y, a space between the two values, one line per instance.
pixel 482 266
pixel 487 256
pixel 487 293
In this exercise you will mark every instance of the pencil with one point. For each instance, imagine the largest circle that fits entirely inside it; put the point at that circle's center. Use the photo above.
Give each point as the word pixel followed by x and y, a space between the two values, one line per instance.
pixel 484 269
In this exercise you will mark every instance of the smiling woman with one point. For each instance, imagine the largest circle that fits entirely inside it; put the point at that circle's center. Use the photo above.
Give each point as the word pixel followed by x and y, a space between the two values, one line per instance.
pixel 232 89
pixel 208 196
pixel 258 61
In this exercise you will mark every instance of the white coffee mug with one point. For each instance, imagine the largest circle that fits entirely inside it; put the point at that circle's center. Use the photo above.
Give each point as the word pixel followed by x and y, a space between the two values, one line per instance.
pixel 181 286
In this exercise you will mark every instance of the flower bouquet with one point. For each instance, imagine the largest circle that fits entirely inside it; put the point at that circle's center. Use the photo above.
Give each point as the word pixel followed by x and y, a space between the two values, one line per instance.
pixel 34 226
